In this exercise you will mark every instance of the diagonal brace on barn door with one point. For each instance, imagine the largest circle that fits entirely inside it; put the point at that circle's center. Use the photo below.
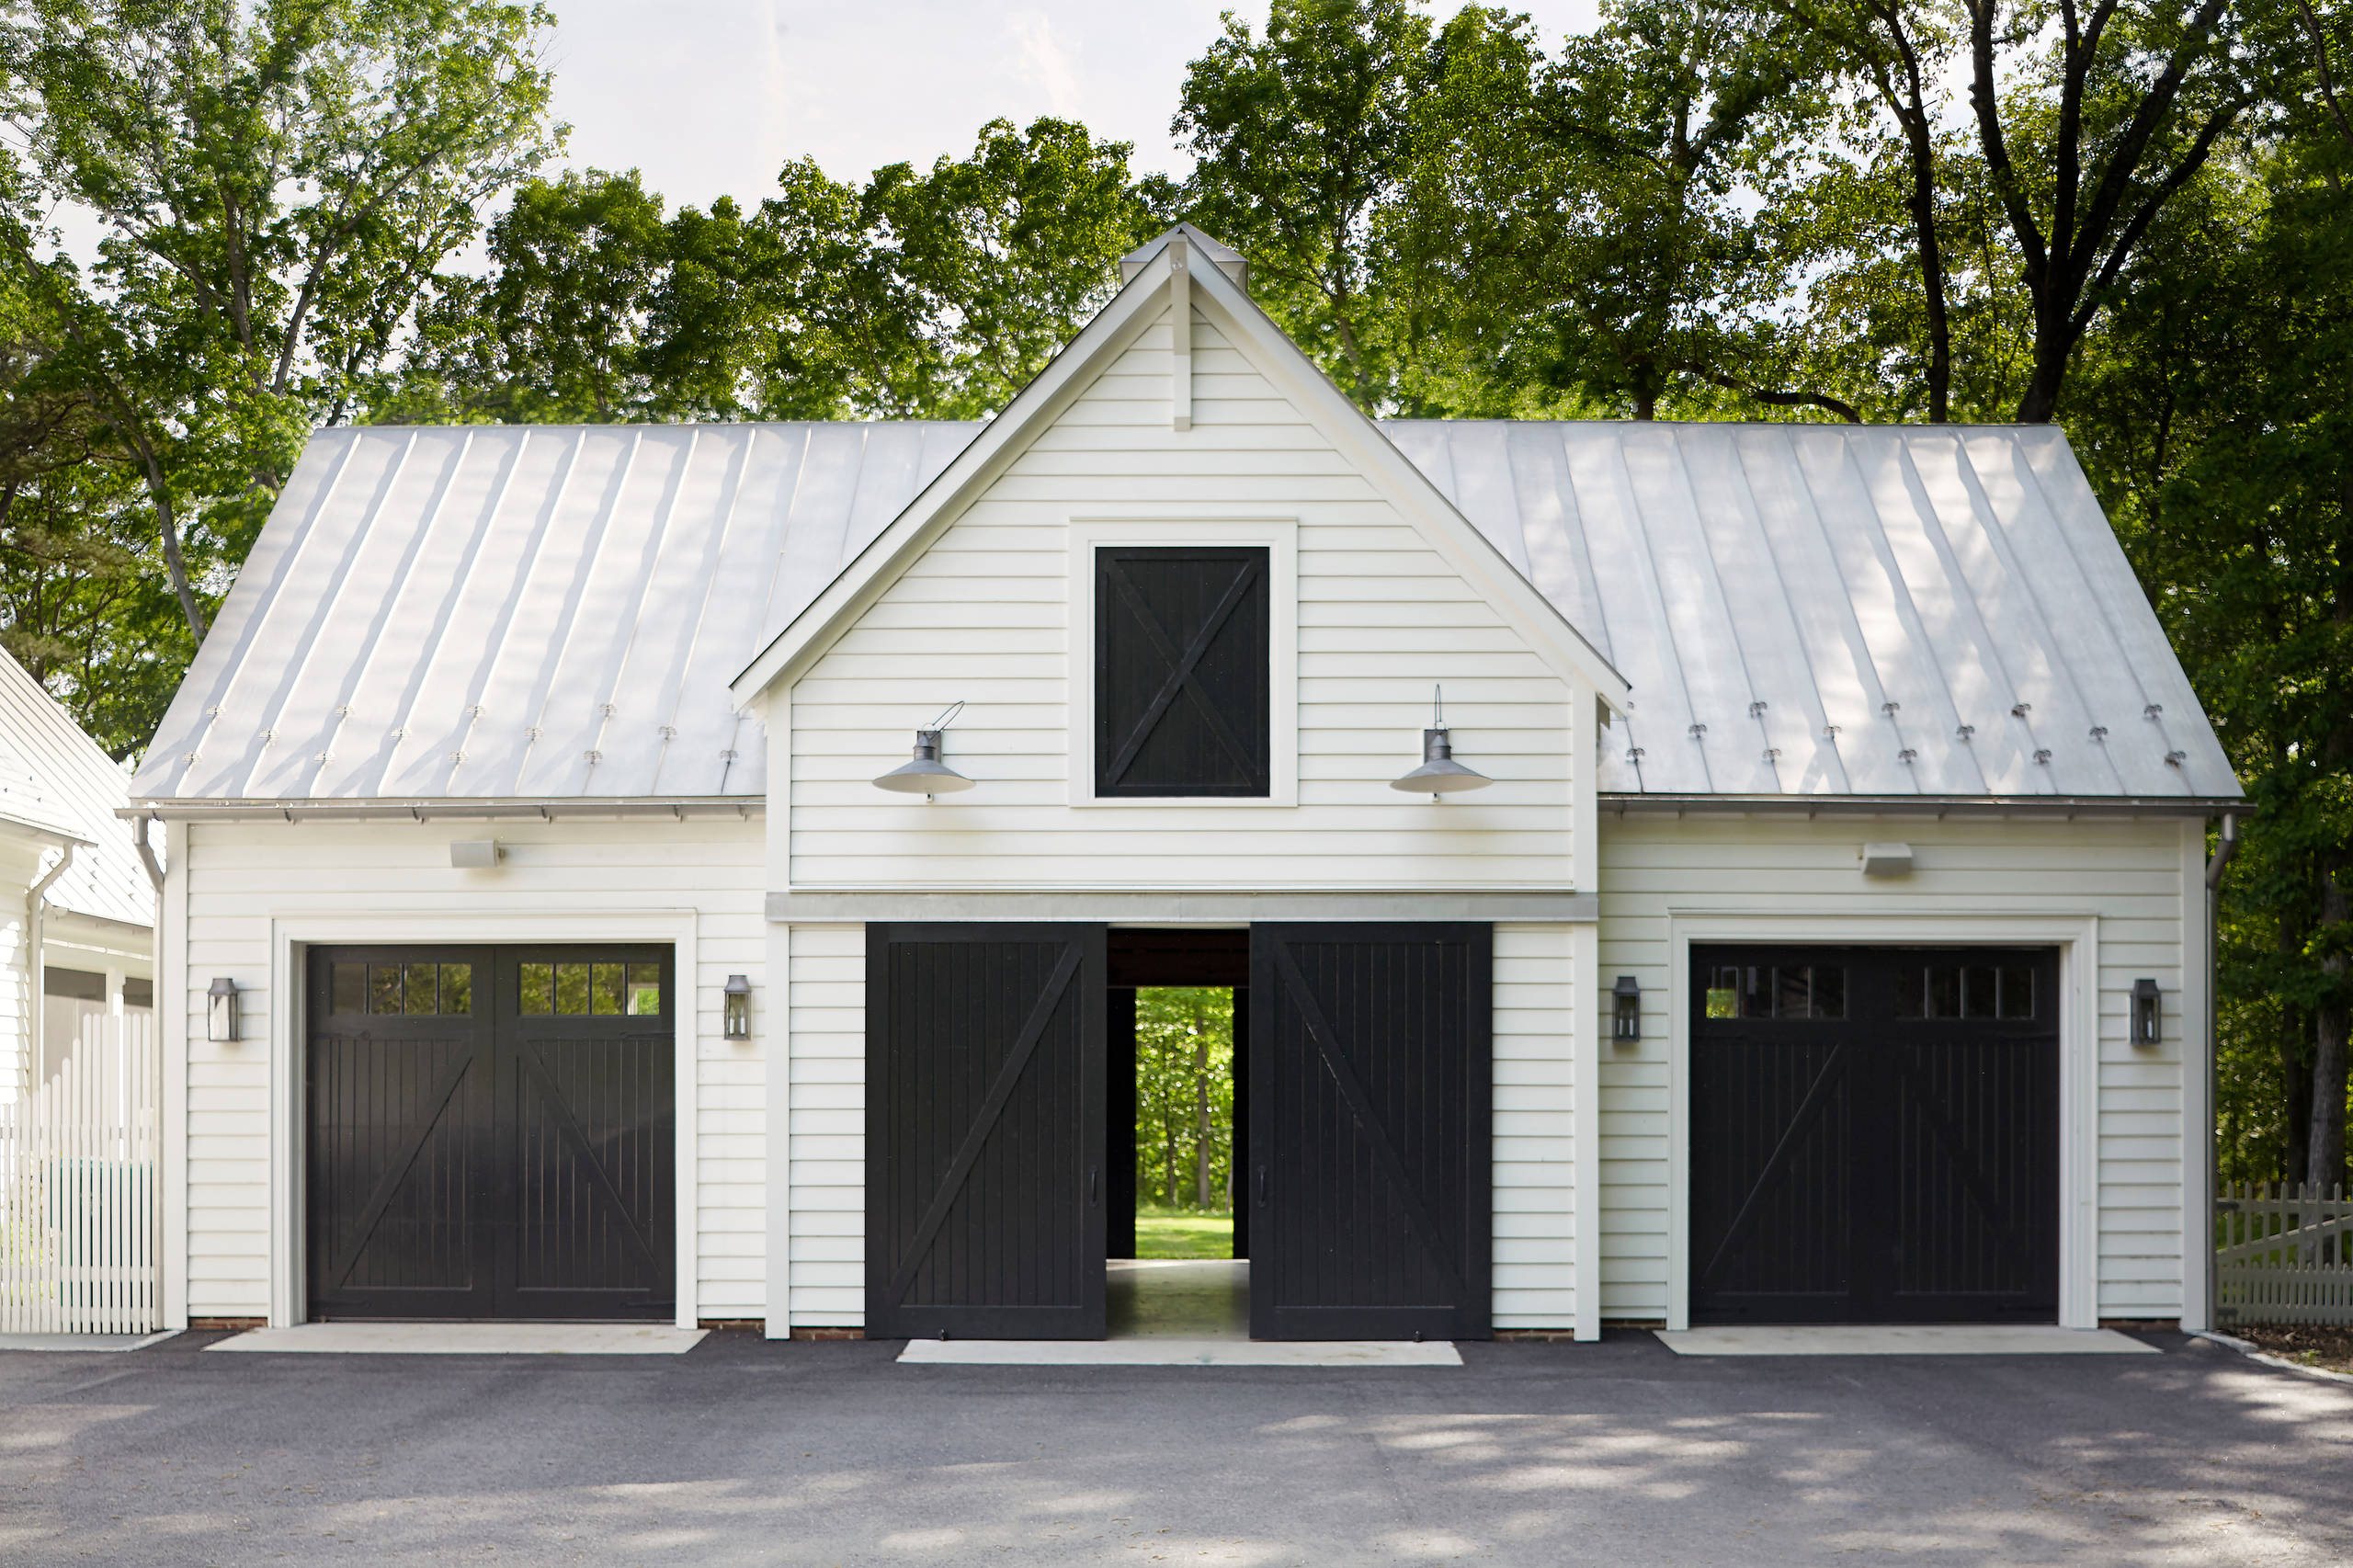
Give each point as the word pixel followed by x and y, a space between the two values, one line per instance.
pixel 575 1138
pixel 1972 1177
pixel 1810 1110
pixel 968 1153
pixel 372 1213
pixel 1333 1053
pixel 1181 667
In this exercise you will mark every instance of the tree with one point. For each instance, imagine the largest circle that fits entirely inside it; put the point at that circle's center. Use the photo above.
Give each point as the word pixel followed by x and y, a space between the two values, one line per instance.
pixel 2207 404
pixel 933 294
pixel 1303 137
pixel 2141 96
pixel 273 183
pixel 1619 201
pixel 1185 1097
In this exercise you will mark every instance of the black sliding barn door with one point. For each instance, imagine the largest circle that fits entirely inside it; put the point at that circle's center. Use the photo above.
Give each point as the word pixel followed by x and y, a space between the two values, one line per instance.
pixel 984 1132
pixel 1368 1132
pixel 491 1133
pixel 1874 1135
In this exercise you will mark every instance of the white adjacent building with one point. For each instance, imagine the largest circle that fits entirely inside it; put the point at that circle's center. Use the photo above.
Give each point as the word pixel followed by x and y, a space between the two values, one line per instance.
pixel 1825 936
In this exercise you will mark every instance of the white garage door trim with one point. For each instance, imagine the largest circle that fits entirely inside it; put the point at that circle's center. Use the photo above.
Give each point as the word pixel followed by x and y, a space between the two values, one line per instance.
pixel 290 937
pixel 2077 939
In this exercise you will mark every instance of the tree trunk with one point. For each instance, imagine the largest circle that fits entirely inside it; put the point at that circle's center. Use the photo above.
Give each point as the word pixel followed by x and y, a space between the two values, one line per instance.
pixel 1200 1105
pixel 2324 1161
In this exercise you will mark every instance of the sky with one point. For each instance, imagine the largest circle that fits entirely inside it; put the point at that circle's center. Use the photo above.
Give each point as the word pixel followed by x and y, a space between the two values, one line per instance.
pixel 711 97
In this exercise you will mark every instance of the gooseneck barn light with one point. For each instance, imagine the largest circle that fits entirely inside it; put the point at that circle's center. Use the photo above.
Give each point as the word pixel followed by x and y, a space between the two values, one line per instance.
pixel 736 1019
pixel 221 1011
pixel 1440 774
pixel 925 775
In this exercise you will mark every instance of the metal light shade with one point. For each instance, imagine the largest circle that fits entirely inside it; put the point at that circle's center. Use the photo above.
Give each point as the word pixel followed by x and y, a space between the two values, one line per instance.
pixel 221 1011
pixel 1629 995
pixel 2144 1011
pixel 927 775
pixel 1440 774
pixel 735 1021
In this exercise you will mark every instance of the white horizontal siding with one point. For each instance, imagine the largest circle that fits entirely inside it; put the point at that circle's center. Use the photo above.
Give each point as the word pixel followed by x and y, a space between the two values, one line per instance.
pixel 983 617
pixel 2128 875
pixel 1535 1209
pixel 243 878
pixel 827 1276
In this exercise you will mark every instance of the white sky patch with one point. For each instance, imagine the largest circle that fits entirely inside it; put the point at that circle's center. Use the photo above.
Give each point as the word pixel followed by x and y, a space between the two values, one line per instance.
pixel 1050 69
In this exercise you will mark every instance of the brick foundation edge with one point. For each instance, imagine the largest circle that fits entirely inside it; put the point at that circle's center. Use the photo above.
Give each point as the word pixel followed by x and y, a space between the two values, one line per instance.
pixel 1537 1336
pixel 2146 1326
pixel 225 1325
pixel 828 1334
pixel 718 1326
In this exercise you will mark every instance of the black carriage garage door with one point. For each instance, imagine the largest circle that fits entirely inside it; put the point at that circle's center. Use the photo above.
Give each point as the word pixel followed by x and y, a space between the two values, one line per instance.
pixel 491 1133
pixel 1874 1135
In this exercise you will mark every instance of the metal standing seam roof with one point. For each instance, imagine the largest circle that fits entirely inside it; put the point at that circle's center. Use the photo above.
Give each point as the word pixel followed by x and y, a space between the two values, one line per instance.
pixel 556 611
pixel 58 782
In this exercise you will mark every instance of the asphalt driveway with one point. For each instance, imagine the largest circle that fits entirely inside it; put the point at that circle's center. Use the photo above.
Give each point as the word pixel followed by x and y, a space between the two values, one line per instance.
pixel 1545 1455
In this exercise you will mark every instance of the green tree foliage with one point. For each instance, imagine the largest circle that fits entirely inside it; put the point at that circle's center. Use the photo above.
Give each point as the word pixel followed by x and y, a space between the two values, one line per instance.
pixel 1185 1097
pixel 934 294
pixel 272 183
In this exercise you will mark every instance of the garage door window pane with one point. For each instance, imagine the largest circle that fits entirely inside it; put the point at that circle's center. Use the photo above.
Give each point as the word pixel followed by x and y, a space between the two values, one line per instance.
pixel 349 987
pixel 383 988
pixel 457 988
pixel 571 989
pixel 644 989
pixel 606 991
pixel 1977 988
pixel 539 989
pixel 1723 994
pixel 1793 991
pixel 419 996
pixel 1829 991
pixel 2018 992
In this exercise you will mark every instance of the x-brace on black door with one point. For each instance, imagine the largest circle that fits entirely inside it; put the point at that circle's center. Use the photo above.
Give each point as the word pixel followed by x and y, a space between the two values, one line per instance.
pixel 1368 1132
pixel 984 1132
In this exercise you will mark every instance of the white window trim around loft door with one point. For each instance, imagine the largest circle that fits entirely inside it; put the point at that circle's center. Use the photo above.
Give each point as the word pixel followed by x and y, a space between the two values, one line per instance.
pixel 293 935
pixel 2077 939
pixel 1279 537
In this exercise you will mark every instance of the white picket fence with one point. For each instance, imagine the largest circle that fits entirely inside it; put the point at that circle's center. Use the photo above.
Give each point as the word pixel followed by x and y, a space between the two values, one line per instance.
pixel 78 1203
pixel 2284 1254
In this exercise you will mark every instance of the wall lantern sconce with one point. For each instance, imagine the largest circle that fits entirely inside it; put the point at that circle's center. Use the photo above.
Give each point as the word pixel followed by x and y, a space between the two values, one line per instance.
pixel 220 1012
pixel 1629 997
pixel 1440 774
pixel 2144 1011
pixel 735 1017
pixel 927 775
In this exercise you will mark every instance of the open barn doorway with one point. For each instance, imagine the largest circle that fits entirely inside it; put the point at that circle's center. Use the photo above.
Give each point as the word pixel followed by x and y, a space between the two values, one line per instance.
pixel 1177 1037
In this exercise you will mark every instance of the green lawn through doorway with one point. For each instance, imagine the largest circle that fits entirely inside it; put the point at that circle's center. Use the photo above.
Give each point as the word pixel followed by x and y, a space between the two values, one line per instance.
pixel 1166 1233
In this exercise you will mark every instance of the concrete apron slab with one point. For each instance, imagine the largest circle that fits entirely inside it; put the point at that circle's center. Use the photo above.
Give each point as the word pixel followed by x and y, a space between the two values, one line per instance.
pixel 469 1339
pixel 81 1342
pixel 1903 1339
pixel 1170 1350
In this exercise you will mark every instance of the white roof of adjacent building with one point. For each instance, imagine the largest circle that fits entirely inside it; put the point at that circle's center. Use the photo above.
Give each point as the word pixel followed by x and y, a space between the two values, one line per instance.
pixel 550 612
pixel 61 785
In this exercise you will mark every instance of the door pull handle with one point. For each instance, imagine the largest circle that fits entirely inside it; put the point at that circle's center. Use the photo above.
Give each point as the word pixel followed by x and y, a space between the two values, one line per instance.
pixel 1262 1187
pixel 1092 1173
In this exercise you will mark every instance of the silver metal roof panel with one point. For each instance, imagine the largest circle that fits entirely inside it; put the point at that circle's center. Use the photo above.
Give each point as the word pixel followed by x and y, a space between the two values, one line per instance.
pixel 555 612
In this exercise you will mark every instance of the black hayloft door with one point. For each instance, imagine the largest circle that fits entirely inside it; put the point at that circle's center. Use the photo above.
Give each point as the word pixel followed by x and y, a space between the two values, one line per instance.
pixel 491 1133
pixel 984 1132
pixel 1369 1132
pixel 1874 1135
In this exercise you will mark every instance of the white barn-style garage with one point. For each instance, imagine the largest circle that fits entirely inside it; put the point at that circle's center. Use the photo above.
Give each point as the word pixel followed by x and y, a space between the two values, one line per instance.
pixel 1810 923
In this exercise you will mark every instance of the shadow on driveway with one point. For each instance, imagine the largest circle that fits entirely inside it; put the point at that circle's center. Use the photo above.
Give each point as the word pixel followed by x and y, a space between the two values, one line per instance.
pixel 746 1451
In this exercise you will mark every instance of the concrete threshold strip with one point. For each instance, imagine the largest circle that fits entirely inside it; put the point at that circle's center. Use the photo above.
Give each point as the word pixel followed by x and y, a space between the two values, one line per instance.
pixel 1173 1350
pixel 1903 1339
pixel 468 1339
pixel 84 1343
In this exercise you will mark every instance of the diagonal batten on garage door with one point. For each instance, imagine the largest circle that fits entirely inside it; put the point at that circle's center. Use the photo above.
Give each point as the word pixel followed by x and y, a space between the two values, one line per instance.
pixel 1874 1135
pixel 491 1133
pixel 985 1195
pixel 1369 1132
